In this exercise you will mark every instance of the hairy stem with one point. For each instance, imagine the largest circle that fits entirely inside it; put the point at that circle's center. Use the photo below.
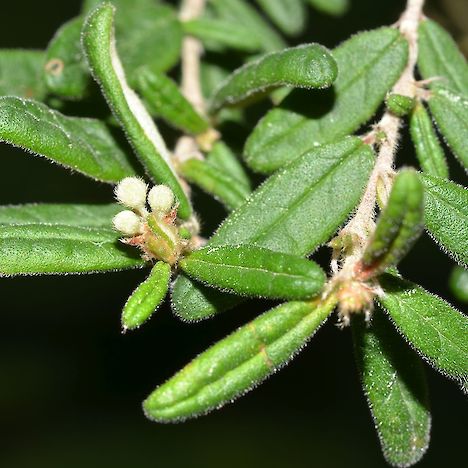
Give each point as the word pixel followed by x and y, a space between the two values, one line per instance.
pixel 362 224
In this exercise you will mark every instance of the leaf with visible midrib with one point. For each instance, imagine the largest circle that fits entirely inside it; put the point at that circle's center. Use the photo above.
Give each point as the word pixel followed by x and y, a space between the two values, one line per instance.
pixel 237 363
pixel 290 217
pixel 304 66
pixel 432 326
pixel 394 383
pixel 254 271
pixel 306 119
pixel 446 215
pixel 85 145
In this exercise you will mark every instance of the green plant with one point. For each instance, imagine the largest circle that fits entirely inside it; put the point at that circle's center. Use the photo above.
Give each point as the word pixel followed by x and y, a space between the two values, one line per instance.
pixel 323 185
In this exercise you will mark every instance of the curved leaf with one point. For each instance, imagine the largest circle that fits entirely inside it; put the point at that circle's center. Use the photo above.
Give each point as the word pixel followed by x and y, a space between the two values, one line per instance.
pixel 289 15
pixel 304 66
pixel 237 363
pixel 395 386
pixel 432 326
pixel 446 215
pixel 428 150
pixel 99 47
pixel 254 271
pixel 459 283
pixel 85 145
pixel 293 218
pixel 306 119
pixel 331 7
pixel 147 297
pixel 21 73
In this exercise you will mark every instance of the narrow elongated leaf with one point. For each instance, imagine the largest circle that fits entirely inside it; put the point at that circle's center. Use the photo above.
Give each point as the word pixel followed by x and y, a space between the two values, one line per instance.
pixel 305 66
pixel 450 111
pixel 21 74
pixel 92 216
pixel 163 99
pixel 241 12
pixel 289 15
pixel 459 283
pixel 439 57
pixel 225 160
pixel 331 7
pixel 214 181
pixel 446 215
pixel 306 119
pixel 398 227
pixel 395 386
pixel 237 363
pixel 255 271
pixel 148 34
pixel 66 71
pixel 222 33
pixel 292 218
pixel 85 145
pixel 147 297
pixel 428 150
pixel 99 47
pixel 432 326
pixel 59 248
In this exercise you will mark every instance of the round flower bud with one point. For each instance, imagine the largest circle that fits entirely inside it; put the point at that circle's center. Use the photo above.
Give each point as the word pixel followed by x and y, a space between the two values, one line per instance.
pixel 131 192
pixel 161 198
pixel 127 222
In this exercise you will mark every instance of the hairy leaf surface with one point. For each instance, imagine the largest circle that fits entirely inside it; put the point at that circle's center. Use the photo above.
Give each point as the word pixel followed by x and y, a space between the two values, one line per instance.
pixel 306 119
pixel 85 145
pixel 395 386
pixel 237 363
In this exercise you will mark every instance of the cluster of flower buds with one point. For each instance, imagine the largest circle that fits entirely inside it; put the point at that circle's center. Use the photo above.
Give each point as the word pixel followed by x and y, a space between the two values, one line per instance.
pixel 153 230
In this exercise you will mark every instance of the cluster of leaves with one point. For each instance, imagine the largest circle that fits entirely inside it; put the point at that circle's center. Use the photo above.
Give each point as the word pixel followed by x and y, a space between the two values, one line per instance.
pixel 316 174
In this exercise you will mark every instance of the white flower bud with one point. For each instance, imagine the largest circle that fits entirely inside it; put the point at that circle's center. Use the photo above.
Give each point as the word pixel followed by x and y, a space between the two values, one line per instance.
pixel 131 192
pixel 161 198
pixel 127 222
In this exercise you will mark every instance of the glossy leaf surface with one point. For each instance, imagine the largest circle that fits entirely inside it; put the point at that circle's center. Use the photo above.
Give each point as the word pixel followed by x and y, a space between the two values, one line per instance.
pixel 254 271
pixel 432 326
pixel 395 386
pixel 305 66
pixel 84 145
pixel 237 363
pixel 306 119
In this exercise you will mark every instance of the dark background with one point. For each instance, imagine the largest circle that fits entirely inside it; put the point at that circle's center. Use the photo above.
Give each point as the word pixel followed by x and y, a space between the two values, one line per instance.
pixel 71 383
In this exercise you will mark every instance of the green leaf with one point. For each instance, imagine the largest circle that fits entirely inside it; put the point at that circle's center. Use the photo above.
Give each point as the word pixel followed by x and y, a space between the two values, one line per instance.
pixel 214 181
pixel 223 33
pixel 147 297
pixel 459 283
pixel 66 71
pixel 306 119
pixel 432 326
pixel 81 215
pixel 85 145
pixel 21 74
pixel 428 150
pixel 305 66
pixel 292 218
pixel 399 104
pixel 331 7
pixel 225 160
pixel 289 15
pixel 148 34
pixel 439 57
pixel 450 112
pixel 237 363
pixel 395 386
pixel 241 12
pixel 61 247
pixel 163 99
pixel 99 47
pixel 254 271
pixel 398 226
pixel 446 216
